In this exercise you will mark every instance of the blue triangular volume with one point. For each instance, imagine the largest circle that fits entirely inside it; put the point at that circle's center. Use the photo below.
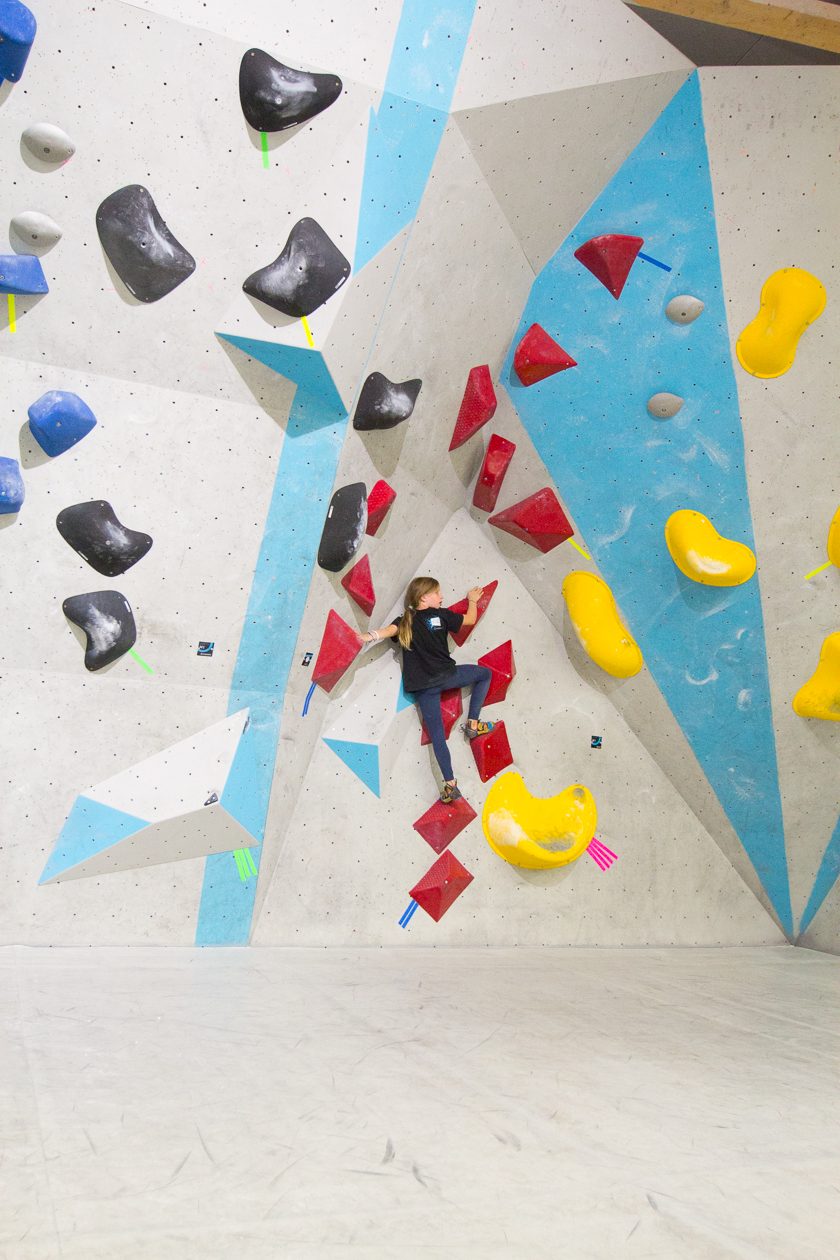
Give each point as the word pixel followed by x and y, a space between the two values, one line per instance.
pixel 90 828
pixel 305 367
pixel 622 474
pixel 403 701
pixel 362 759
pixel 249 782
pixel 827 877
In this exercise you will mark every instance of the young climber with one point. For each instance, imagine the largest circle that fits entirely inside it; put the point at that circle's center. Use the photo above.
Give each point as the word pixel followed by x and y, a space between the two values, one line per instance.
pixel 428 669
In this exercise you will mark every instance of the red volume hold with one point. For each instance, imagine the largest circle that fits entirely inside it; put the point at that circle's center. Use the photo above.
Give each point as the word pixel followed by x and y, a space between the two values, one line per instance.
pixel 610 258
pixel 503 667
pixel 493 470
pixel 492 752
pixel 442 884
pixel 538 356
pixel 339 648
pixel 461 607
pixel 442 823
pixel 477 406
pixel 451 708
pixel 358 584
pixel 538 520
pixel 378 505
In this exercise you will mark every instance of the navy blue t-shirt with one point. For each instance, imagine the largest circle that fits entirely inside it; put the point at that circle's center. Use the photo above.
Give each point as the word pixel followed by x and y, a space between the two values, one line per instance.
pixel 427 662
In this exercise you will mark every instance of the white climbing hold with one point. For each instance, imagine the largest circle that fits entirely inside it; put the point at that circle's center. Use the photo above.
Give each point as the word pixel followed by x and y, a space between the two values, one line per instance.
pixel 48 142
pixel 663 406
pixel 684 309
pixel 34 232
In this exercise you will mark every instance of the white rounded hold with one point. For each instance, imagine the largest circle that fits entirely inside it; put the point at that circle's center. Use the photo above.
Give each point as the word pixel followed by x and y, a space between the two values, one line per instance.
pixel 684 309
pixel 48 143
pixel 33 232
pixel 663 406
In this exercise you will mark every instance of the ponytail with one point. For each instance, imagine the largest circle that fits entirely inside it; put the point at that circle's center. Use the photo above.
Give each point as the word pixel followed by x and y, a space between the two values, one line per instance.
pixel 417 588
pixel 406 628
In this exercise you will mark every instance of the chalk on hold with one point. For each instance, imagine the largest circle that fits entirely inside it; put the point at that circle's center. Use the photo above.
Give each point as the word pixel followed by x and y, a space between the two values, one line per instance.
pixel 791 299
pixel 610 258
pixel 22 273
pixel 108 622
pixel 704 555
pixel 34 232
pixel 12 489
pixel 538 356
pixel 477 406
pixel 17 34
pixel 501 664
pixel 820 696
pixel 378 505
pixel 308 271
pixel 94 532
pixel 384 404
pixel 684 309
pixel 491 752
pixel 461 636
pixel 442 884
pixel 358 584
pixel 833 546
pixel 339 648
pixel 663 406
pixel 451 708
pixel 598 624
pixel 148 259
pixel 535 832
pixel 275 97
pixel 493 471
pixel 442 823
pixel 344 527
pixel 59 419
pixel 48 143
pixel 538 520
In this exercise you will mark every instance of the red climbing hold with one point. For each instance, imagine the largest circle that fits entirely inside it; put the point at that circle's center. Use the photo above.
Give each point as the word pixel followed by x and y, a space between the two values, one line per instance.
pixel 492 752
pixel 451 708
pixel 538 520
pixel 461 607
pixel 477 406
pixel 496 463
pixel 339 648
pixel 610 258
pixel 442 823
pixel 358 584
pixel 442 884
pixel 538 356
pixel 378 505
pixel 503 667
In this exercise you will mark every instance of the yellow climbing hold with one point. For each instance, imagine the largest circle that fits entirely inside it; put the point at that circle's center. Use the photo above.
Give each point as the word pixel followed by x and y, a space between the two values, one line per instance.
pixel 791 299
pixel 820 697
pixel 538 832
pixel 834 539
pixel 598 625
pixel 704 555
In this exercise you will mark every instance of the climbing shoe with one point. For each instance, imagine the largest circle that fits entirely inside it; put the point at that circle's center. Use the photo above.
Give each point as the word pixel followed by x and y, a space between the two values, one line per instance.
pixel 473 732
pixel 449 793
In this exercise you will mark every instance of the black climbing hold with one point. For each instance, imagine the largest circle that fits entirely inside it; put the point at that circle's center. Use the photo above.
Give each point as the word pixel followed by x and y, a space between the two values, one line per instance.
pixel 93 530
pixel 384 404
pixel 344 527
pixel 108 622
pixel 309 270
pixel 140 247
pixel 275 96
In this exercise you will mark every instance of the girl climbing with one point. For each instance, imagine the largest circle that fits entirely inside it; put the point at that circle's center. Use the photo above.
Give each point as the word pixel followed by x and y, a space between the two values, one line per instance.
pixel 428 669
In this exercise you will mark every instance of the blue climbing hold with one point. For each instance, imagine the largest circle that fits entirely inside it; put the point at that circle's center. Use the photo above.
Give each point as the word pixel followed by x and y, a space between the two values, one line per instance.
pixel 59 419
pixel 17 32
pixel 12 491
pixel 22 273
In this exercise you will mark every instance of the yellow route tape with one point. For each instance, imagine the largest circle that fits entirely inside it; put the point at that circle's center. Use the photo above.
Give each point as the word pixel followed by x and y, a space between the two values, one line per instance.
pixel 308 331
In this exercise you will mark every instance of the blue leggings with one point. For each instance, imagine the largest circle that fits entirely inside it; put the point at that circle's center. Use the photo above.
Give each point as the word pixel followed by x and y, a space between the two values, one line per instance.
pixel 428 702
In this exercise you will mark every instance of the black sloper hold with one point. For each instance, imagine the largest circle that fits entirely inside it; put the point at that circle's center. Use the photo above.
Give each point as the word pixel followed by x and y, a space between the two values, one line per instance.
pixel 344 528
pixel 140 247
pixel 309 270
pixel 275 96
pixel 108 622
pixel 93 530
pixel 384 404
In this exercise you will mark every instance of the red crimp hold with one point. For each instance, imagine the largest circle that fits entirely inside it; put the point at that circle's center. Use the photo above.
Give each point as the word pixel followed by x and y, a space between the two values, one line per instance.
pixel 461 607
pixel 451 708
pixel 538 356
pixel 492 752
pixel 378 505
pixel 610 258
pixel 496 463
pixel 442 884
pixel 442 823
pixel 358 584
pixel 477 406
pixel 538 520
pixel 339 648
pixel 500 661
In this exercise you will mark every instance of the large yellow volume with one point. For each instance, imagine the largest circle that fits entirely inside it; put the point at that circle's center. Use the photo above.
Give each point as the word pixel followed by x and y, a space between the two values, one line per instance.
pixel 704 555
pixel 598 625
pixel 538 832
pixel 834 539
pixel 791 299
pixel 820 697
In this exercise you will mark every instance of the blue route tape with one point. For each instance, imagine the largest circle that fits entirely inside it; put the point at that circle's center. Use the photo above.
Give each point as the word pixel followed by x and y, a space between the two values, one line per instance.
pixel 655 261
pixel 308 698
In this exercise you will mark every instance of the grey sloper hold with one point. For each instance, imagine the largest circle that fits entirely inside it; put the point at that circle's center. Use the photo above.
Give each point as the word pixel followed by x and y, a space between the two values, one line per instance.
pixel 140 247
pixel 344 528
pixel 93 530
pixel 108 622
pixel 34 232
pixel 684 309
pixel 384 404
pixel 274 96
pixel 309 270
pixel 663 406
pixel 48 142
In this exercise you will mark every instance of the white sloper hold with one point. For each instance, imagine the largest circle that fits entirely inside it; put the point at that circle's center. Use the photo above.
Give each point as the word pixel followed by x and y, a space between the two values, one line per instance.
pixel 48 142
pixel 663 406
pixel 684 309
pixel 33 232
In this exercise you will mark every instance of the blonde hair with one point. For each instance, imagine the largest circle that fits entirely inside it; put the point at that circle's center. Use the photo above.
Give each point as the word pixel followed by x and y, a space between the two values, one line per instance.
pixel 417 588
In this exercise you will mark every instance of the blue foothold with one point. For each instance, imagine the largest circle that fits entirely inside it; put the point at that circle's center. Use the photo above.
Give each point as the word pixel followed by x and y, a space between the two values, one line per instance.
pixel 59 419
pixel 12 491
pixel 22 273
pixel 17 32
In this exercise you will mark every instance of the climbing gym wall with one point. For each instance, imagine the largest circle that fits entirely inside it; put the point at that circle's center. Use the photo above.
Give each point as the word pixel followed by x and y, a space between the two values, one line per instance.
pixel 325 300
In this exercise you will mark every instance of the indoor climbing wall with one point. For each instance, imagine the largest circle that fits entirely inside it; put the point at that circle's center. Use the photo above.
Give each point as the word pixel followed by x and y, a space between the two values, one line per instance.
pixel 397 291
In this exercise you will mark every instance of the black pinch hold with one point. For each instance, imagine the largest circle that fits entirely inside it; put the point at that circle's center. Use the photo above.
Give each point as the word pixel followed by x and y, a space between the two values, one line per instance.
pixel 93 530
pixel 344 528
pixel 139 246
pixel 274 96
pixel 309 270
pixel 107 620
pixel 384 404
